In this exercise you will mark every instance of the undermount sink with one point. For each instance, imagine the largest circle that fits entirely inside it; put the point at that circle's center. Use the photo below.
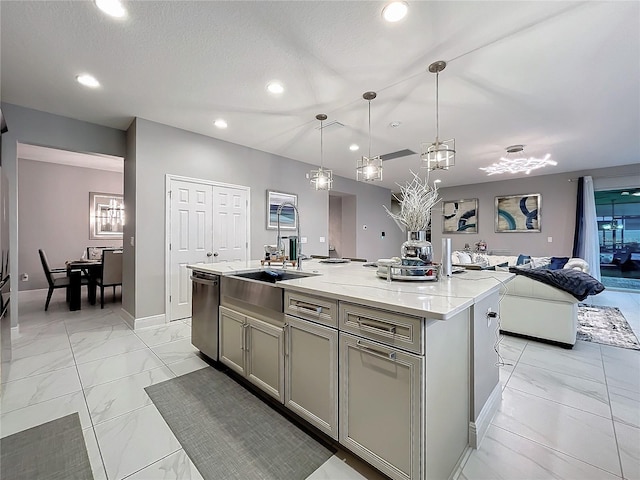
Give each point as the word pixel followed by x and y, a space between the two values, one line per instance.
pixel 272 276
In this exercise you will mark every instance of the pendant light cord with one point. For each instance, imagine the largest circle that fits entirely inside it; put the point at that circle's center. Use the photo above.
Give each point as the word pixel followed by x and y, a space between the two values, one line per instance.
pixel 437 116
pixel 321 147
pixel 369 129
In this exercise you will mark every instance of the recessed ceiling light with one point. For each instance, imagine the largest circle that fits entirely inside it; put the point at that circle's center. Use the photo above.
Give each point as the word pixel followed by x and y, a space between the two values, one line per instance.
pixel 275 87
pixel 395 124
pixel 113 8
pixel 624 193
pixel 395 11
pixel 636 194
pixel 87 80
pixel 353 147
pixel 220 123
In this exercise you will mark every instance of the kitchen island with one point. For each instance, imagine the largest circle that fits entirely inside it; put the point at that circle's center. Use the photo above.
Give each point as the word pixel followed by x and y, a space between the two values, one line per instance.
pixel 402 373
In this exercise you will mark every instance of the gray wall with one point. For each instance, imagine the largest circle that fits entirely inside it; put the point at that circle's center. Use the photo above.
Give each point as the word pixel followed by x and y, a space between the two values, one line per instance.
pixel 159 150
pixel 557 212
pixel 40 128
pixel 53 208
pixel 335 225
pixel 128 254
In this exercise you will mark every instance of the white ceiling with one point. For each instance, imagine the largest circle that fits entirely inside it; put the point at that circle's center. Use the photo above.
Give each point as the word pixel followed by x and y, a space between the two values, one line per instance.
pixel 559 77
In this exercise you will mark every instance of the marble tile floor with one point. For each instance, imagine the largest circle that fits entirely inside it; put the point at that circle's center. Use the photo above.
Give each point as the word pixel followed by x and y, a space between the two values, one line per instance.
pixel 91 362
pixel 565 414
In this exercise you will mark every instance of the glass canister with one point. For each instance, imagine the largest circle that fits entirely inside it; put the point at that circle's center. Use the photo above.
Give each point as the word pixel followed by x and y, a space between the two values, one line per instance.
pixel 417 246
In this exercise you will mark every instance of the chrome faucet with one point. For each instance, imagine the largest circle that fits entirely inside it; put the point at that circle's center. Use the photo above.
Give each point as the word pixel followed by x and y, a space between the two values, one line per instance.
pixel 280 252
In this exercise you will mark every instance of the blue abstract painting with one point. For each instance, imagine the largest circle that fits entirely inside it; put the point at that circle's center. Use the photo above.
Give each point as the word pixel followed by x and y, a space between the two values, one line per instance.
pixel 518 213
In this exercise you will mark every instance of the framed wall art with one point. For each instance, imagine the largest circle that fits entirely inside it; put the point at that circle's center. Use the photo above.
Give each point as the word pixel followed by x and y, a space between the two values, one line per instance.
pixel 460 216
pixel 288 216
pixel 518 213
pixel 106 215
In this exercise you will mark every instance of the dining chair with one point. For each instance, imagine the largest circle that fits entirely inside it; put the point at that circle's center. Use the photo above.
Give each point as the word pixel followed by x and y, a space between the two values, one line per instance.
pixel 54 282
pixel 111 272
pixel 95 253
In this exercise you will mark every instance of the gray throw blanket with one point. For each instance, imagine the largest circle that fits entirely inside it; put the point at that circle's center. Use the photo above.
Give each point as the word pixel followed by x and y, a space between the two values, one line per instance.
pixel 575 282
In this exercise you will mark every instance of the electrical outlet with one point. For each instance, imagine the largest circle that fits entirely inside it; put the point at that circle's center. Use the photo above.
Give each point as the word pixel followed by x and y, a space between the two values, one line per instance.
pixel 549 239
pixel 303 239
pixel 24 277
pixel 322 239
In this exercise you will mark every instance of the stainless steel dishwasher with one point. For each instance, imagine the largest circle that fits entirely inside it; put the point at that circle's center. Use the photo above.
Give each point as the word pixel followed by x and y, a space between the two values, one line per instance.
pixel 204 313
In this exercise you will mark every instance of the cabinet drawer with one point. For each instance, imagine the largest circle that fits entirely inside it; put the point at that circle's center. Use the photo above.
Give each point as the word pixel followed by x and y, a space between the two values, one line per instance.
pixel 317 309
pixel 391 328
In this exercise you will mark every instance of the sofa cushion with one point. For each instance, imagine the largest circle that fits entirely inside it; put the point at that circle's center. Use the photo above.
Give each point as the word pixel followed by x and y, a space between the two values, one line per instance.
pixel 558 262
pixel 522 259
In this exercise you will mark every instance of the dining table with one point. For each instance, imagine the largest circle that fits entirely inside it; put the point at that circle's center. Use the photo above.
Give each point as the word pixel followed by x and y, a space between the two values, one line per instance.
pixel 75 269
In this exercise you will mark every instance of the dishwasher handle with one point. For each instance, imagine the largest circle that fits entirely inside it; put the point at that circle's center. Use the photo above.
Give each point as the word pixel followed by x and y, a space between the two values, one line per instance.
pixel 204 281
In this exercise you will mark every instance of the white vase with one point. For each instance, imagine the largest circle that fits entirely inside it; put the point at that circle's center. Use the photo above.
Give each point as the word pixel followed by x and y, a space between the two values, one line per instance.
pixel 417 246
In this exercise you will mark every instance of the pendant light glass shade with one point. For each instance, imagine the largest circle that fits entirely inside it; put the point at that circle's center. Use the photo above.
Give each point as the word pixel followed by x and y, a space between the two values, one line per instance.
pixel 441 154
pixel 321 179
pixel 369 169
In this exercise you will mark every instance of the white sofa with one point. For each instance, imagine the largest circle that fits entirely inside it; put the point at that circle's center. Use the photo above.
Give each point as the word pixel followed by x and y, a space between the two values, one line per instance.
pixel 533 309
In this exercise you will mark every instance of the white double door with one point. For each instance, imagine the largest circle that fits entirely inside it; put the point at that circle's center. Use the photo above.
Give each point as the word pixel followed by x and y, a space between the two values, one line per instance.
pixel 207 223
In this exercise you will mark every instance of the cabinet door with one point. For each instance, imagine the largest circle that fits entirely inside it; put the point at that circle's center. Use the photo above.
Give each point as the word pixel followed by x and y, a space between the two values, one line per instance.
pixel 232 340
pixel 380 400
pixel 265 357
pixel 311 373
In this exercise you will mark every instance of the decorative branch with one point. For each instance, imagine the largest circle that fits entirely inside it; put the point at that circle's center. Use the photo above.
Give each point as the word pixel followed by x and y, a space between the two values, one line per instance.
pixel 418 198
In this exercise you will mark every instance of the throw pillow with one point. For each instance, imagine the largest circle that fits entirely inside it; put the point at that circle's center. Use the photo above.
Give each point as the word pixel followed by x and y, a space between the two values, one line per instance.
pixel 541 262
pixel 558 263
pixel 522 259
pixel 466 258
pixel 480 259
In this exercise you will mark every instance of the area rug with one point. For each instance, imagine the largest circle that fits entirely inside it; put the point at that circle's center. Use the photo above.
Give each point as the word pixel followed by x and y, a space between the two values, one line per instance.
pixel 229 433
pixel 53 451
pixel 605 325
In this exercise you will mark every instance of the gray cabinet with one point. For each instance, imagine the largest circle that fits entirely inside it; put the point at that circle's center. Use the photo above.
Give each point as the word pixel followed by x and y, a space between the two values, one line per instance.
pixel 381 395
pixel 254 349
pixel 311 373
pixel 265 357
pixel 232 340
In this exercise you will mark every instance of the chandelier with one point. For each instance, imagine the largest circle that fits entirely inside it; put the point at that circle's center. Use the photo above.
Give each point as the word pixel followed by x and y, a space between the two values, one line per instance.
pixel 518 165
pixel 369 168
pixel 439 155
pixel 321 179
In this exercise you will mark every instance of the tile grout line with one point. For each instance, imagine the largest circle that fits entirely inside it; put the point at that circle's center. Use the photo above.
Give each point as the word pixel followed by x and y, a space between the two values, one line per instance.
pixel 613 423
pixel 558 451
pixel 104 467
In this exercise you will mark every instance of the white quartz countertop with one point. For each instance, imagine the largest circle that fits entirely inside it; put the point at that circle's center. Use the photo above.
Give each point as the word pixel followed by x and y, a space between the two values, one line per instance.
pixel 358 284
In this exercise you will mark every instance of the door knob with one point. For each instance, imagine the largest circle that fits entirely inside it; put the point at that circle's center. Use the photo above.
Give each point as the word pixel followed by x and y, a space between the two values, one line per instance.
pixel 216 254
pixel 209 254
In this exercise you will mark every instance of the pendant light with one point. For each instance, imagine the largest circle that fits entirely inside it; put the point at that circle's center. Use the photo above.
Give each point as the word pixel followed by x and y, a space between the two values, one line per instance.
pixel 321 179
pixel 439 155
pixel 369 168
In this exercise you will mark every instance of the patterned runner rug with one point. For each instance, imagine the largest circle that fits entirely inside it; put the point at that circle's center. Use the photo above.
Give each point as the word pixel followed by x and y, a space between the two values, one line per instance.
pixel 605 325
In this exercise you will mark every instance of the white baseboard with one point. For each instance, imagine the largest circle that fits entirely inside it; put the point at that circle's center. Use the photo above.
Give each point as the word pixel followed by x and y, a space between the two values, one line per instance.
pixel 478 429
pixel 128 318
pixel 152 321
